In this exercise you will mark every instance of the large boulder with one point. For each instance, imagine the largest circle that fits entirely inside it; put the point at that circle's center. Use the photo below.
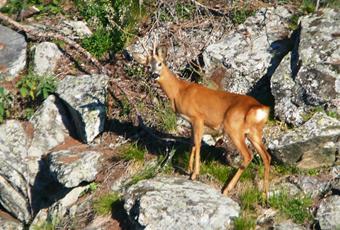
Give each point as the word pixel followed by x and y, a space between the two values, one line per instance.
pixel 178 203
pixel 85 97
pixel 248 51
pixel 310 77
pixel 70 168
pixel 14 177
pixel 328 213
pixel 311 145
pixel 12 53
pixel 46 57
pixel 50 128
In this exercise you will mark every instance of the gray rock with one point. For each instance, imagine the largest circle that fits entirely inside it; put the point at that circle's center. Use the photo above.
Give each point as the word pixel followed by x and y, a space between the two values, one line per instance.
pixel 85 99
pixel 248 51
pixel 310 78
pixel 288 224
pixel 13 170
pixel 60 209
pixel 46 56
pixel 9 223
pixel 186 43
pixel 78 27
pixel 70 168
pixel 178 203
pixel 50 124
pixel 309 185
pixel 287 108
pixel 328 213
pixel 12 53
pixel 312 145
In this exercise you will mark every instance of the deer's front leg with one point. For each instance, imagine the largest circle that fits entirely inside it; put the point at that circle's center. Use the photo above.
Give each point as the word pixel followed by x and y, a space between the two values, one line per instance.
pixel 197 126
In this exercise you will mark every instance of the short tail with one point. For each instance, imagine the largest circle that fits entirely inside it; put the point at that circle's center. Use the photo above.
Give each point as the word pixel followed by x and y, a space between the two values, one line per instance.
pixel 258 114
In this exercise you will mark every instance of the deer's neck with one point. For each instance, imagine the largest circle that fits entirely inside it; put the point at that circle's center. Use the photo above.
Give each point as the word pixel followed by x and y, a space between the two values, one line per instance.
pixel 169 83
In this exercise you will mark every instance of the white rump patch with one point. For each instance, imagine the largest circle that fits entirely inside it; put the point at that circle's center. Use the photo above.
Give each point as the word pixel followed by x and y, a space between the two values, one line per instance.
pixel 260 114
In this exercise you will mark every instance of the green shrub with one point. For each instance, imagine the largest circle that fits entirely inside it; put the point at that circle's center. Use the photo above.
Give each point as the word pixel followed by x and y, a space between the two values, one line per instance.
pixel 132 152
pixel 116 23
pixel 6 100
pixel 103 205
pixel 296 208
pixel 239 16
pixel 15 6
pixel 217 170
pixel 36 87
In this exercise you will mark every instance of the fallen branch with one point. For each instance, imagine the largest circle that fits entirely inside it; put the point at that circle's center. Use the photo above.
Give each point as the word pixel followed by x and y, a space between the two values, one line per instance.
pixel 48 36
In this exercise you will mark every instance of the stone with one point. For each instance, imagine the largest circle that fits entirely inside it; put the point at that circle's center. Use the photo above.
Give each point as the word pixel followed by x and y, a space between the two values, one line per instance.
pixel 85 98
pixel 78 27
pixel 60 209
pixel 309 78
pixel 312 145
pixel 178 203
pixel 13 170
pixel 328 213
pixel 311 186
pixel 50 125
pixel 13 48
pixel 287 224
pixel 3 3
pixel 46 57
pixel 71 168
pixel 7 222
pixel 248 51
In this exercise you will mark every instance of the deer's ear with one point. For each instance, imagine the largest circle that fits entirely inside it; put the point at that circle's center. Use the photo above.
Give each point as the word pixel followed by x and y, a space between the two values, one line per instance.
pixel 162 52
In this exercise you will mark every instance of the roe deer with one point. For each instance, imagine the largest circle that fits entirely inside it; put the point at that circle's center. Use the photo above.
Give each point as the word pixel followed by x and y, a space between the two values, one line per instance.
pixel 238 116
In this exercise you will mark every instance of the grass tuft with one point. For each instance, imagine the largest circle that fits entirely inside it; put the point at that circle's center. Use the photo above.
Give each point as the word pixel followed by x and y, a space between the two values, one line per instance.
pixel 132 152
pixel 217 170
pixel 244 222
pixel 103 205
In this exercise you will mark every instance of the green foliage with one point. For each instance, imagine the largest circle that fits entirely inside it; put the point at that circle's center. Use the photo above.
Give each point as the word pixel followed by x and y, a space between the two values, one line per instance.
pixel 15 6
pixel 244 222
pixel 35 87
pixel 296 208
pixel 239 16
pixel 308 6
pixel 92 187
pixel 167 117
pixel 285 169
pixel 250 197
pixel 103 205
pixel 115 22
pixel 132 152
pixel 217 170
pixel 5 103
pixel 49 224
pixel 147 173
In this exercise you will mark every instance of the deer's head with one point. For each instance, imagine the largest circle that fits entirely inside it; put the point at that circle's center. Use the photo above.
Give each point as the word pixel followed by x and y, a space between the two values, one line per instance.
pixel 157 61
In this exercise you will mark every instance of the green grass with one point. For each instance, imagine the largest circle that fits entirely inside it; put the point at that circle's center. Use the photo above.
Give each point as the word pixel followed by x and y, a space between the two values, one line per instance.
pixel 250 198
pixel 239 16
pixel 220 172
pixel 103 205
pixel 49 224
pixel 6 100
pixel 146 173
pixel 295 208
pixel 15 6
pixel 244 222
pixel 167 117
pixel 132 152
pixel 99 42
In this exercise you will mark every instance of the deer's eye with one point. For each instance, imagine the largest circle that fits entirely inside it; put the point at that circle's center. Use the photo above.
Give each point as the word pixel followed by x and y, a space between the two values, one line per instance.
pixel 159 64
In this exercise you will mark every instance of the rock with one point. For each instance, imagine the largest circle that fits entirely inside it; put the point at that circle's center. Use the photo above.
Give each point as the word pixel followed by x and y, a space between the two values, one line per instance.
pixel 284 187
pixel 288 224
pixel 187 43
pixel 248 51
pixel 70 168
pixel 312 145
pixel 50 125
pixel 310 77
pixel 267 216
pixel 85 98
pixel 63 207
pixel 178 203
pixel 46 56
pixel 328 213
pixel 13 170
pixel 78 27
pixel 9 223
pixel 287 108
pixel 12 53
pixel 309 185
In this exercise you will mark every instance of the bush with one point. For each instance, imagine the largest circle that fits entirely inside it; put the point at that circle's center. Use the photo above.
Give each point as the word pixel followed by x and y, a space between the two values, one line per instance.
pixel 5 104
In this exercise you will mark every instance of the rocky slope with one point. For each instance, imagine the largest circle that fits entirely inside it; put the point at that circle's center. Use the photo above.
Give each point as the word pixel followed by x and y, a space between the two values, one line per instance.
pixel 49 162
